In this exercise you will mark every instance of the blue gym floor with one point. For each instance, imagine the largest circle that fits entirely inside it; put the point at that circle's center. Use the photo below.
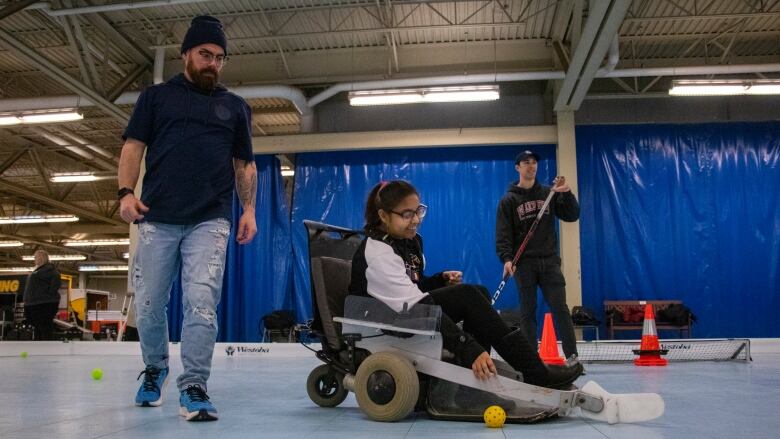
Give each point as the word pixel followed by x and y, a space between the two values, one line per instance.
pixel 53 396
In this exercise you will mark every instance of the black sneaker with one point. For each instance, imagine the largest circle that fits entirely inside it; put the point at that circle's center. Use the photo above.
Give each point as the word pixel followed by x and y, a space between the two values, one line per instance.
pixel 562 377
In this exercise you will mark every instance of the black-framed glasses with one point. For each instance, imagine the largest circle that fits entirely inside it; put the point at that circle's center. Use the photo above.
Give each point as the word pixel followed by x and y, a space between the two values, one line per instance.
pixel 407 215
pixel 210 57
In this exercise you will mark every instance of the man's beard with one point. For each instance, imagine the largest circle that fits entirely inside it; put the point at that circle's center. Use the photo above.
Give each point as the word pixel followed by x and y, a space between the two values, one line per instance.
pixel 201 78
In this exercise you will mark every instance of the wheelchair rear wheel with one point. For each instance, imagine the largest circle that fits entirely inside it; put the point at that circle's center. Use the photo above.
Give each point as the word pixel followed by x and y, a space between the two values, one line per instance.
pixel 386 387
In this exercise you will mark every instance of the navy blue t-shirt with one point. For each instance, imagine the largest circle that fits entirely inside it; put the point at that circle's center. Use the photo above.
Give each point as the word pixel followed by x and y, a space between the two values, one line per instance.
pixel 191 136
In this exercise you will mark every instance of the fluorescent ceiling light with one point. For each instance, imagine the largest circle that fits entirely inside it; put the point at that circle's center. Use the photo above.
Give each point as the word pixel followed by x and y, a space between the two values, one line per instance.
pixel 60 116
pixel 288 172
pixel 97 242
pixel 467 93
pixel 72 177
pixel 11 243
pixel 16 269
pixel 724 87
pixel 31 219
pixel 58 258
pixel 126 255
pixel 103 268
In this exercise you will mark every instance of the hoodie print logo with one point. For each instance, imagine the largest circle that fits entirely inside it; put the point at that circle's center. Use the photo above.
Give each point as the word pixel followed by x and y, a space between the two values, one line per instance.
pixel 529 209
pixel 222 112
pixel 413 267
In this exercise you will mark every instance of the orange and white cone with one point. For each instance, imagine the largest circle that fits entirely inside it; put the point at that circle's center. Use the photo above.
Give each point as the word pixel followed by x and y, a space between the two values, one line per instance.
pixel 650 350
pixel 548 349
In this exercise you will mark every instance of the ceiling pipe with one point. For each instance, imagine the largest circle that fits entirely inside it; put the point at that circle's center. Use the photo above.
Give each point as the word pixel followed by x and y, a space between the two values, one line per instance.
pixel 159 65
pixel 537 76
pixel 486 78
pixel 304 107
pixel 253 92
pixel 292 94
pixel 609 28
pixel 46 7
pixel 613 57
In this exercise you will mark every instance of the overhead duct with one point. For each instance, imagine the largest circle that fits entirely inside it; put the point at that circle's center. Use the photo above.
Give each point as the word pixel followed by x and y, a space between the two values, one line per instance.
pixel 304 107
pixel 292 94
pixel 601 28
pixel 46 7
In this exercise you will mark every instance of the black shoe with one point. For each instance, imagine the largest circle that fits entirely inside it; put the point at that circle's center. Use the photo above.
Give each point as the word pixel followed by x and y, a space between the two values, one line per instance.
pixel 562 377
pixel 515 349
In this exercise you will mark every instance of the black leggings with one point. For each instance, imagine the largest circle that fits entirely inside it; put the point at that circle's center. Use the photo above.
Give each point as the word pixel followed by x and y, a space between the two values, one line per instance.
pixel 468 304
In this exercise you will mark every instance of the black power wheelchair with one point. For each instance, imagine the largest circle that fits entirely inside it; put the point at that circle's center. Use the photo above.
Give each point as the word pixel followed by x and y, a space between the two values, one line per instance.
pixel 395 363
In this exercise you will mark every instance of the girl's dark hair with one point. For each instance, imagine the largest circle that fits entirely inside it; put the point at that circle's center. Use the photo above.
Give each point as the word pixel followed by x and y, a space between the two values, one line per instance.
pixel 385 195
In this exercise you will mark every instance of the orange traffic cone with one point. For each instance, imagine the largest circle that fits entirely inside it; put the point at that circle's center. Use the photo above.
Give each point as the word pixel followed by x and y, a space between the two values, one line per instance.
pixel 548 350
pixel 650 350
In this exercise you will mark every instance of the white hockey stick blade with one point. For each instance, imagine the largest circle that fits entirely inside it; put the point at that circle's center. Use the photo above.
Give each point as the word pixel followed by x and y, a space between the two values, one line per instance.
pixel 626 407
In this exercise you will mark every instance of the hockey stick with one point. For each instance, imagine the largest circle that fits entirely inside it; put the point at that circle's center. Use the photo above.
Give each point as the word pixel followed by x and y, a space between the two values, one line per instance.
pixel 523 244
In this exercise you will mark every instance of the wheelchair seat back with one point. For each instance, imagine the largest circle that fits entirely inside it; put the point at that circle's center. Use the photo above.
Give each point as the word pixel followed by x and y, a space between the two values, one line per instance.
pixel 330 262
pixel 330 282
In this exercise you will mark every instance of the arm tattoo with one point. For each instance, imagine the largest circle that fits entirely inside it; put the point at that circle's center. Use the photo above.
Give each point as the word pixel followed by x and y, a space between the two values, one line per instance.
pixel 246 182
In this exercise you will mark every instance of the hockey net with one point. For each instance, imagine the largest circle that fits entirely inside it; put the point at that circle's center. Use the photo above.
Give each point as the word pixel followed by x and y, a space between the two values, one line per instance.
pixel 619 351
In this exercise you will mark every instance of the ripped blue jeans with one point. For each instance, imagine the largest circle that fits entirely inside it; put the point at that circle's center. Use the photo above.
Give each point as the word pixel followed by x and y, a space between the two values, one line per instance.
pixel 199 249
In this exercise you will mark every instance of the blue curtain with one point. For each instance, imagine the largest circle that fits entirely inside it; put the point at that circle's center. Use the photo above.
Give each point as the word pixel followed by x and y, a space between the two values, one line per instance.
pixel 688 212
pixel 461 186
pixel 257 275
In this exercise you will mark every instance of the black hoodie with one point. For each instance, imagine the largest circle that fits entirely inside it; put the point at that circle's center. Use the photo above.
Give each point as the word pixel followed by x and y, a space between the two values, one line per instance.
pixel 517 211
pixel 192 136
pixel 42 286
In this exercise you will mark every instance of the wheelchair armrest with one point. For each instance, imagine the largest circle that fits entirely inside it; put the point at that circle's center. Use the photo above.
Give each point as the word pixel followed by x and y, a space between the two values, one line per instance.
pixel 382 326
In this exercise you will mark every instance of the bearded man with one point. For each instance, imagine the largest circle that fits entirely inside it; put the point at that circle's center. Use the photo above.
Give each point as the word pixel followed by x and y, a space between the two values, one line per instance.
pixel 198 143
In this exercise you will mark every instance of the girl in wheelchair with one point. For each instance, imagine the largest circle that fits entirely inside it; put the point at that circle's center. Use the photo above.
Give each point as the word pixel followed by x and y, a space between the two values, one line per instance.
pixel 389 266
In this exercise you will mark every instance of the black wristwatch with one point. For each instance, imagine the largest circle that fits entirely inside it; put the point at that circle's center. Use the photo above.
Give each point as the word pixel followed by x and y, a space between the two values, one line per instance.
pixel 124 191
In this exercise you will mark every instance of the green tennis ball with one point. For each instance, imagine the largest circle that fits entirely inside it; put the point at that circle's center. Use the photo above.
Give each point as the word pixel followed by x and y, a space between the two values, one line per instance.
pixel 97 374
pixel 23 354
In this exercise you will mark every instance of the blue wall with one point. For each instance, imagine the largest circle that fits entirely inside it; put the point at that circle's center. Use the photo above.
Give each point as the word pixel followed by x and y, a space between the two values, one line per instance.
pixel 257 275
pixel 461 186
pixel 687 212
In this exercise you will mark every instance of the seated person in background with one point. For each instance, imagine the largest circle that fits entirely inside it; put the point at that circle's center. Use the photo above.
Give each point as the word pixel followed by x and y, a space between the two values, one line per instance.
pixel 389 265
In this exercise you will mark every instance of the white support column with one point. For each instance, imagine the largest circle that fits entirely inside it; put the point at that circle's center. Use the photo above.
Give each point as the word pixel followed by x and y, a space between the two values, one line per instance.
pixel 159 65
pixel 570 232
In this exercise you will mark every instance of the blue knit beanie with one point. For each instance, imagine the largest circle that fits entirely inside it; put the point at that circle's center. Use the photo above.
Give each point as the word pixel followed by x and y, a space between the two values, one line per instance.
pixel 204 29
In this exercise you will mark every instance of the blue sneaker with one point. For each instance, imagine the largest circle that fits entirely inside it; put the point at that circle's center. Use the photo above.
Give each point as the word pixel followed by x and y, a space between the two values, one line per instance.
pixel 195 405
pixel 151 392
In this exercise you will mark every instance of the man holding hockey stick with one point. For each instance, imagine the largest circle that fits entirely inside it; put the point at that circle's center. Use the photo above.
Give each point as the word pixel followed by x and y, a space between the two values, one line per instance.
pixel 525 240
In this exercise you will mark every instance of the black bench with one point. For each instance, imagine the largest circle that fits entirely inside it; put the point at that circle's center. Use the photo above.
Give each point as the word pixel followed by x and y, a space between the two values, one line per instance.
pixel 615 310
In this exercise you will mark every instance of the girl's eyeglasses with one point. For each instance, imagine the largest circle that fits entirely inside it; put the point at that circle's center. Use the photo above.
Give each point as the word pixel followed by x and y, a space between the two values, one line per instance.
pixel 407 215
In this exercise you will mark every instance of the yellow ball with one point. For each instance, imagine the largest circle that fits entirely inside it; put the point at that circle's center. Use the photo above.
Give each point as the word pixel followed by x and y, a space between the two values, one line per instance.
pixel 494 416
pixel 23 354
pixel 97 374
